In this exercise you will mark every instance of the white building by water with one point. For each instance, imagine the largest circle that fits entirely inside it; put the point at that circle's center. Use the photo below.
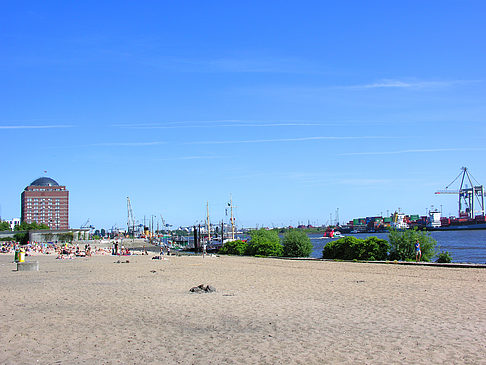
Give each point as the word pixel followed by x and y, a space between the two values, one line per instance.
pixel 13 222
pixel 433 219
pixel 399 221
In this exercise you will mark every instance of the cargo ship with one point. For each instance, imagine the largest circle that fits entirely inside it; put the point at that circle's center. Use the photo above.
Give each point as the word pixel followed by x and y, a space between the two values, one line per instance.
pixel 471 209
pixel 438 223
pixel 400 221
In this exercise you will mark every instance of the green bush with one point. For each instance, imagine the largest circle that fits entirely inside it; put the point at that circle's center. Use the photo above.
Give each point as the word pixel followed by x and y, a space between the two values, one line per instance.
pixel 24 226
pixel 234 248
pixel 374 248
pixel 22 238
pixel 266 249
pixel 4 226
pixel 264 243
pixel 352 248
pixel 66 237
pixel 444 257
pixel 402 245
pixel 296 244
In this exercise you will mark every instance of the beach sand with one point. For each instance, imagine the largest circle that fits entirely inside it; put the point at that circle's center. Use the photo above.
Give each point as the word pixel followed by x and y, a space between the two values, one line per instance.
pixel 265 311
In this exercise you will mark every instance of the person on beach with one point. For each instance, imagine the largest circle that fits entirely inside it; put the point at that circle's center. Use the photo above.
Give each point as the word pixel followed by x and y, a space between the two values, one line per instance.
pixel 418 251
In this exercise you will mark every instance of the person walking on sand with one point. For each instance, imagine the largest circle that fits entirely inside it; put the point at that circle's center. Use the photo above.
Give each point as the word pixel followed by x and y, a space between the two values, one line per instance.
pixel 418 251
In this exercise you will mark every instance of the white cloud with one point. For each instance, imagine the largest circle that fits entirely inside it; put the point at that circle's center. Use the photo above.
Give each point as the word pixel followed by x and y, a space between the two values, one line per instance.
pixel 362 182
pixel 300 139
pixel 410 84
pixel 34 126
pixel 216 124
pixel 425 150
pixel 128 144
pixel 182 158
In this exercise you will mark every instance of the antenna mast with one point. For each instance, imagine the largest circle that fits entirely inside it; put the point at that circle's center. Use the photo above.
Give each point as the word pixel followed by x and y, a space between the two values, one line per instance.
pixel 232 219
pixel 208 223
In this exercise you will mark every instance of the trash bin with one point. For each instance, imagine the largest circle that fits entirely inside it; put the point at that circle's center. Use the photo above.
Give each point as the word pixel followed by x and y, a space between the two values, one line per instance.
pixel 21 256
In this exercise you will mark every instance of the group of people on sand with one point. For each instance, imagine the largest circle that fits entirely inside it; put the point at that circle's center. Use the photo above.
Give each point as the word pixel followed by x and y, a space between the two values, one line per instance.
pixel 118 249
pixel 69 251
pixel 62 250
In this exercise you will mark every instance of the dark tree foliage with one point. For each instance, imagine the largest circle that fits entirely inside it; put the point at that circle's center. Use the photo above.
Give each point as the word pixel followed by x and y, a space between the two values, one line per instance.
pixel 22 238
pixel 24 226
pixel 444 257
pixel 4 226
pixel 234 248
pixel 264 243
pixel 296 244
pixel 402 245
pixel 352 248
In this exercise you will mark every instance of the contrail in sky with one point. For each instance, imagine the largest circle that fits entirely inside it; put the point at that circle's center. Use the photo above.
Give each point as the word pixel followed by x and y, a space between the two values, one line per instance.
pixel 411 151
pixel 318 138
pixel 33 126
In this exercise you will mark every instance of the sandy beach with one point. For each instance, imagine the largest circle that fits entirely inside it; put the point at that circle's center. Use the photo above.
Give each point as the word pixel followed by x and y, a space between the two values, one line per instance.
pixel 265 311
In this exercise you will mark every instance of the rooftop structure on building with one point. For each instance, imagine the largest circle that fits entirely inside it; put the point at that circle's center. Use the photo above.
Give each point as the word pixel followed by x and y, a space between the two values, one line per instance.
pixel 45 201
pixel 13 222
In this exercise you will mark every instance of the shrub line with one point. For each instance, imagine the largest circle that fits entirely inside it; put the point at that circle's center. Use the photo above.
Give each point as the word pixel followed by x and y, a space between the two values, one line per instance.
pixel 422 263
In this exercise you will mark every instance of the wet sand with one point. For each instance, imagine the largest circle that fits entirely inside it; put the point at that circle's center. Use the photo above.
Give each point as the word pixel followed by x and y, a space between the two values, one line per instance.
pixel 94 310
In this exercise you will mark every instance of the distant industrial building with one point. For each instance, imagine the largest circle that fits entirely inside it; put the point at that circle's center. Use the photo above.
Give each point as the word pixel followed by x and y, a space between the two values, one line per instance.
pixel 13 222
pixel 45 201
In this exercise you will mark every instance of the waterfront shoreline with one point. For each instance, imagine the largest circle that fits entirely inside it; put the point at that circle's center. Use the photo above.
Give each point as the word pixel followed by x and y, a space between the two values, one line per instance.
pixel 264 311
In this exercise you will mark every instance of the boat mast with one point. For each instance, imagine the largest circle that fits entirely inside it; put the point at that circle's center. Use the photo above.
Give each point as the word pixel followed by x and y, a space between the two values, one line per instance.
pixel 222 232
pixel 207 221
pixel 232 219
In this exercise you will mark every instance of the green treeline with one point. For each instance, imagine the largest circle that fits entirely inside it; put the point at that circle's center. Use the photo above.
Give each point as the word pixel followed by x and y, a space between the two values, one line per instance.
pixel 295 243
pixel 22 237
pixel 400 246
pixel 268 243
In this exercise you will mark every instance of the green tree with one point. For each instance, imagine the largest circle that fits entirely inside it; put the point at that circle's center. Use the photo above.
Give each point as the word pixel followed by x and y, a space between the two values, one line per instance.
pixel 22 238
pixel 24 226
pixel 264 243
pixel 352 248
pixel 444 257
pixel 4 226
pixel 234 248
pixel 402 245
pixel 296 244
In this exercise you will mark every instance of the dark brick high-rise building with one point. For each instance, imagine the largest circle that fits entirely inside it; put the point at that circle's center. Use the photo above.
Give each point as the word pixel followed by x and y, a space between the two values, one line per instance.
pixel 45 201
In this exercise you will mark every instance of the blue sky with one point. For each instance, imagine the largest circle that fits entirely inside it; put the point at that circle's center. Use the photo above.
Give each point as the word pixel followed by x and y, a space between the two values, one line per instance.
pixel 295 108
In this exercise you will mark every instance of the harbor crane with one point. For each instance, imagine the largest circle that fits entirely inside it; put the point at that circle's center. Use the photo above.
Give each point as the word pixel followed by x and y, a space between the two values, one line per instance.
pixel 130 218
pixel 164 223
pixel 471 198
pixel 87 225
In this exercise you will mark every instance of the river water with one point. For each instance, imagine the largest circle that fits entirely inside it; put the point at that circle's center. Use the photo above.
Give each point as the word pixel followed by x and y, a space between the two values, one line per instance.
pixel 464 246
